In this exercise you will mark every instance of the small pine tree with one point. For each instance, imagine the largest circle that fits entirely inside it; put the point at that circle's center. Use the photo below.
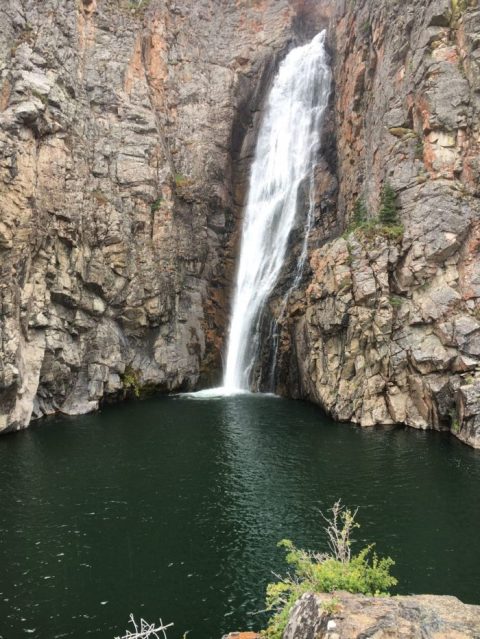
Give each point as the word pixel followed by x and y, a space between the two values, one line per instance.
pixel 388 207
pixel 360 212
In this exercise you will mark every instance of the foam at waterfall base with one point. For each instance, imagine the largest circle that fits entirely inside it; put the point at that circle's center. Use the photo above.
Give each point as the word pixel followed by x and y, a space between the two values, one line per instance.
pixel 222 392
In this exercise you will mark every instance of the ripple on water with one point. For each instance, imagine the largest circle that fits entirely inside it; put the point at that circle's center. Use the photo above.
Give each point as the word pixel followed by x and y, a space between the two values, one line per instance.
pixel 173 508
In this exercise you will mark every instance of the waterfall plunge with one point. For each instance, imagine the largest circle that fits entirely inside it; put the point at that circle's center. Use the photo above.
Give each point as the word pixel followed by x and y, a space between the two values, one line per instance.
pixel 285 157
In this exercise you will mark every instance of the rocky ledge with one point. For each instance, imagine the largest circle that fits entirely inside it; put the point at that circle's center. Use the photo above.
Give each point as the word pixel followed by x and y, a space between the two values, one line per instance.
pixel 345 616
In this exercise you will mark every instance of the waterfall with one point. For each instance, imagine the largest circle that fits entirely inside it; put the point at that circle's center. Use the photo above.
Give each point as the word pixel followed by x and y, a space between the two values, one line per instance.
pixel 284 162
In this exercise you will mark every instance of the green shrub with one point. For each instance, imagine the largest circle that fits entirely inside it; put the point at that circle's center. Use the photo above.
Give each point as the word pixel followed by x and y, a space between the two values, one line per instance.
pixel 372 229
pixel 454 421
pixel 360 212
pixel 364 573
pixel 386 224
pixel 388 208
pixel 419 148
pixel 391 232
pixel 359 217
pixel 337 569
pixel 395 301
pixel 131 381
pixel 156 204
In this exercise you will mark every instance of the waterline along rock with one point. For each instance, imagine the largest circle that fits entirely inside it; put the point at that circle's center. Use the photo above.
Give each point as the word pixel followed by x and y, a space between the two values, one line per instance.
pixel 386 327
pixel 127 136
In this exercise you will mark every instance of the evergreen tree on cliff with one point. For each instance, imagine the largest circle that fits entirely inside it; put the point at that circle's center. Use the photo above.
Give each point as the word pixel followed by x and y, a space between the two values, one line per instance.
pixel 388 206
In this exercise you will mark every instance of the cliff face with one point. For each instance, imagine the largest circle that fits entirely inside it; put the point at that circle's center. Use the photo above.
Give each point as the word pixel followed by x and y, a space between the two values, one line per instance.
pixel 121 129
pixel 126 134
pixel 387 329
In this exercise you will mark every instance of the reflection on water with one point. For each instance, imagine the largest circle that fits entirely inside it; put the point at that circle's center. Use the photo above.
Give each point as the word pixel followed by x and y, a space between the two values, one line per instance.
pixel 173 508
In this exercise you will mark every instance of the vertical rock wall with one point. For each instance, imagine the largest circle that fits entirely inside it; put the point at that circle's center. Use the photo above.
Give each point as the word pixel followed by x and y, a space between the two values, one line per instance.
pixel 121 129
pixel 387 329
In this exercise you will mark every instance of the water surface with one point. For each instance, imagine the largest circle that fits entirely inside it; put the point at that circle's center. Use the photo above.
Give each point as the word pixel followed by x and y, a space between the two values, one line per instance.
pixel 172 507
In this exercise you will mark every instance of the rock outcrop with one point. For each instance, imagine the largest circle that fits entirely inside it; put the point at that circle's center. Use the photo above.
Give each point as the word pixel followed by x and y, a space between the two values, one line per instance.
pixel 387 328
pixel 346 616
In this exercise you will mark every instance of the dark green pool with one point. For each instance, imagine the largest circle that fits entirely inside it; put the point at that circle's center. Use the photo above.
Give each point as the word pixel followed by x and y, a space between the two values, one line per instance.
pixel 173 508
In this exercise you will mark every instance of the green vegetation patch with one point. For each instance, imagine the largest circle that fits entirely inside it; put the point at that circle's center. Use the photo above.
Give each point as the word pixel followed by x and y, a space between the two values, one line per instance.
pixel 454 421
pixel 138 6
pixel 386 224
pixel 401 132
pixel 181 180
pixel 156 204
pixel 360 218
pixel 388 215
pixel 396 301
pixel 337 569
pixel 131 381
pixel 459 7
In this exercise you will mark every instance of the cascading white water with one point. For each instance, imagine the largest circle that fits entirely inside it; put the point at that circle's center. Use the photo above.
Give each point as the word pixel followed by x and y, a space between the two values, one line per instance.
pixel 285 157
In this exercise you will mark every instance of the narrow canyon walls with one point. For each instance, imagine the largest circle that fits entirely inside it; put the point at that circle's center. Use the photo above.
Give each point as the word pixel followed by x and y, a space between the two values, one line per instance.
pixel 126 137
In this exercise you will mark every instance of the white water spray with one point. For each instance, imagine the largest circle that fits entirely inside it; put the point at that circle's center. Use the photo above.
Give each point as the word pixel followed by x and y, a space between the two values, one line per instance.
pixel 285 157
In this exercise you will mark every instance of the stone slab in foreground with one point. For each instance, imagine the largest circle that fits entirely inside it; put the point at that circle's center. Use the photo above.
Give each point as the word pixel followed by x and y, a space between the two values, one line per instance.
pixel 360 617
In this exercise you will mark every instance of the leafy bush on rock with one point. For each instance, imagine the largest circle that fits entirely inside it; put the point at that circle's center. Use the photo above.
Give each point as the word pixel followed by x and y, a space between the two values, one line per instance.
pixel 337 569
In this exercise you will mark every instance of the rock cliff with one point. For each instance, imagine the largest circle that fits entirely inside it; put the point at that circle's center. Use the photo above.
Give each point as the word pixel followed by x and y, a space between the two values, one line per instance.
pixel 126 134
pixel 342 615
pixel 387 328
pixel 122 125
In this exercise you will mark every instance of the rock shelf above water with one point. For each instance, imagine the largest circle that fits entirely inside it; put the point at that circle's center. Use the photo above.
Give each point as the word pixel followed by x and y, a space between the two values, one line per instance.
pixel 360 617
